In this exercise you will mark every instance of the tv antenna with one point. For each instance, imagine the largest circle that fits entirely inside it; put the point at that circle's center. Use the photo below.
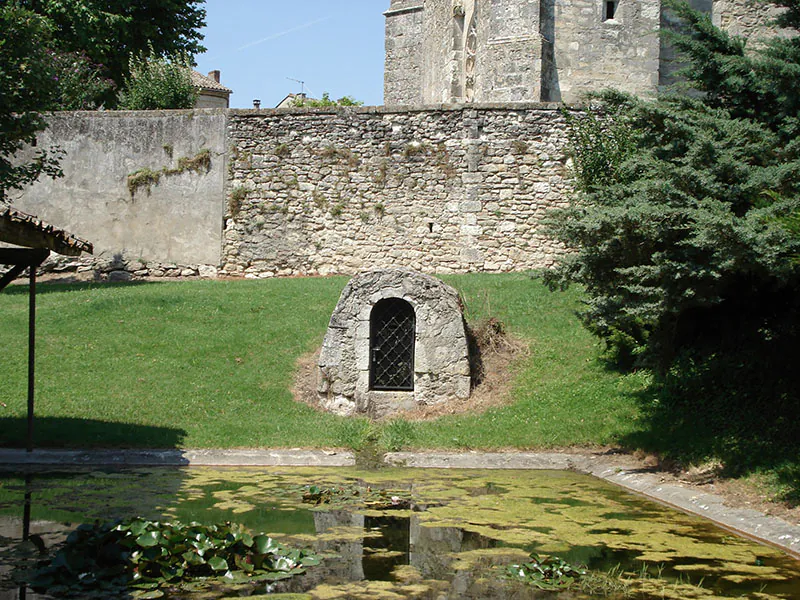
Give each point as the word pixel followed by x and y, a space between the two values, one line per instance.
pixel 303 87
pixel 302 84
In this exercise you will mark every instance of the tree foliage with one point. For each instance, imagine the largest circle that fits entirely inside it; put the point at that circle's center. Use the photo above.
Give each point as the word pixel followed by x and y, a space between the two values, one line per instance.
pixel 158 83
pixel 75 55
pixel 685 210
pixel 81 84
pixel 325 101
pixel 685 232
pixel 27 84
pixel 111 32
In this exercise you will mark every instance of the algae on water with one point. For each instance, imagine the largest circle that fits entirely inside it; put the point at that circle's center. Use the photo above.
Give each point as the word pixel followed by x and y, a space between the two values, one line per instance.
pixel 454 537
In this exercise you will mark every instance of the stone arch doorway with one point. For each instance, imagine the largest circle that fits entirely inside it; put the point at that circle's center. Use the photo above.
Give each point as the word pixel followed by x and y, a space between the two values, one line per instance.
pixel 391 345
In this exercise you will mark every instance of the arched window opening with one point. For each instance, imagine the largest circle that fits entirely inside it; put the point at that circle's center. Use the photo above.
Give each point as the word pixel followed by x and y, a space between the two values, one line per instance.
pixel 392 334
pixel 610 10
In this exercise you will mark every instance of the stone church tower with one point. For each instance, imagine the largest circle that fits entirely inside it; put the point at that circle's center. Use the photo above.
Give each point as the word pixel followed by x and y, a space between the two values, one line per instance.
pixel 453 51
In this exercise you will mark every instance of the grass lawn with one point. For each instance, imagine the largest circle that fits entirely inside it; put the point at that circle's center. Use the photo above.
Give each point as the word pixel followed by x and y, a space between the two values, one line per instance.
pixel 210 364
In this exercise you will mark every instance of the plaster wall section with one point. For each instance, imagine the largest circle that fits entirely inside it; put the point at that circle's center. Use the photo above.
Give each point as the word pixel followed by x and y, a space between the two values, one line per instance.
pixel 403 67
pixel 592 52
pixel 440 190
pixel 208 100
pixel 177 221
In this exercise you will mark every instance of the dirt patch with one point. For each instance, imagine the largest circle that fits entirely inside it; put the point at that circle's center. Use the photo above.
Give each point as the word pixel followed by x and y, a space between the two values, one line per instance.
pixel 741 493
pixel 304 388
pixel 494 354
pixel 737 493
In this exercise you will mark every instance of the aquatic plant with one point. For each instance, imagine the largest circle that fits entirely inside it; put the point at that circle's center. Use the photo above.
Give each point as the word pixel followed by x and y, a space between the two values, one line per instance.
pixel 149 555
pixel 549 573
pixel 364 497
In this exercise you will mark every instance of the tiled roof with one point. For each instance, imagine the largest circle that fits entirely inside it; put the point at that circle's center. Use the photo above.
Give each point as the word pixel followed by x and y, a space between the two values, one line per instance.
pixel 22 229
pixel 206 83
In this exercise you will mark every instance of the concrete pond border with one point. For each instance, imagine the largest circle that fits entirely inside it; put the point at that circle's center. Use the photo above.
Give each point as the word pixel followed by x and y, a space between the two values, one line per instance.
pixel 750 523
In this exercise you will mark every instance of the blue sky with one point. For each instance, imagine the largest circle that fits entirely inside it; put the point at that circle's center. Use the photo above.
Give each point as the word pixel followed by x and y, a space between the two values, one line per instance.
pixel 335 46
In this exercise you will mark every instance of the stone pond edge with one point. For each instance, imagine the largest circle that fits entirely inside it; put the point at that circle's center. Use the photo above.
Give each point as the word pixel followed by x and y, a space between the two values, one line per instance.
pixel 751 523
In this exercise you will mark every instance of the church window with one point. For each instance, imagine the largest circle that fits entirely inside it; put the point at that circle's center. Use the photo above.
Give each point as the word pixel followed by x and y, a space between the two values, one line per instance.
pixel 610 9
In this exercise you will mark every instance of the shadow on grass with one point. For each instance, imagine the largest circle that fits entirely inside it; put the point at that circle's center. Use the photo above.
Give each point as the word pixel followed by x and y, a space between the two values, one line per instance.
pixel 58 432
pixel 742 408
pixel 61 286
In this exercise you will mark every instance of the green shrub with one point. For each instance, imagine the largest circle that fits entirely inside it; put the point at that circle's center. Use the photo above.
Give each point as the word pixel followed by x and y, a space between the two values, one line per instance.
pixel 81 84
pixel 326 101
pixel 159 83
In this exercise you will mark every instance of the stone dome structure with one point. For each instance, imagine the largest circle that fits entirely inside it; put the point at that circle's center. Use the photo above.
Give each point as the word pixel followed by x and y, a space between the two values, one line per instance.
pixel 396 340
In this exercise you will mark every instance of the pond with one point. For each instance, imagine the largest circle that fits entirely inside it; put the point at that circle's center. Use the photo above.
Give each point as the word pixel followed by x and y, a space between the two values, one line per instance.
pixel 404 533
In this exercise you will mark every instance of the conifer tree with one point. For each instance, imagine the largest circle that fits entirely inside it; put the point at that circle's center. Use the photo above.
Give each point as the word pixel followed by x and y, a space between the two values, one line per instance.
pixel 686 212
pixel 685 232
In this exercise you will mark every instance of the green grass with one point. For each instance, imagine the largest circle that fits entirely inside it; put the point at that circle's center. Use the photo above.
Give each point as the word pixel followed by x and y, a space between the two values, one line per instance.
pixel 211 363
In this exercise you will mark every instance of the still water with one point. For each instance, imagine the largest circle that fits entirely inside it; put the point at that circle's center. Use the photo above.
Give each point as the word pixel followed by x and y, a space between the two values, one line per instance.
pixel 450 533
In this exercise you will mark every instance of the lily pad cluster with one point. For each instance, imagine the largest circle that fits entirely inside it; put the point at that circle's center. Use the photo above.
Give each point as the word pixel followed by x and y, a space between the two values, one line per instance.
pixel 548 573
pixel 151 555
pixel 366 497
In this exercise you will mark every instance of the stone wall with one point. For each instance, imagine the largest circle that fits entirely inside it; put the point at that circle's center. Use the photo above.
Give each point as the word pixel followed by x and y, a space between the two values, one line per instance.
pixel 508 52
pixel 169 227
pixel 440 189
pixel 749 18
pixel 593 52
pixel 403 51
pixel 518 50
pixel 539 50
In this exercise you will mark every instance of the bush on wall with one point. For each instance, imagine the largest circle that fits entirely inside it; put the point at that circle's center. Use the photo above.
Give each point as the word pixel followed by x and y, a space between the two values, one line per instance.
pixel 157 82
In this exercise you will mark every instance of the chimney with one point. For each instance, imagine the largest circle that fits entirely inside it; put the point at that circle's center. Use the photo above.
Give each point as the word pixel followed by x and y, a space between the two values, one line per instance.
pixel 214 75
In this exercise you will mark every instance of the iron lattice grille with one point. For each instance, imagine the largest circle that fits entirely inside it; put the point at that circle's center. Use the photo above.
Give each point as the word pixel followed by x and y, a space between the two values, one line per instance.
pixel 391 345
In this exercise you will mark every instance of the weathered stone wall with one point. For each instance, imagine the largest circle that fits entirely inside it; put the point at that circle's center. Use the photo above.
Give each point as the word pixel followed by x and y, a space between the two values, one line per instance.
pixel 169 227
pixel 592 52
pixel 307 191
pixel 749 18
pixel 441 189
pixel 438 367
pixel 538 50
pixel 403 67
pixel 508 61
pixel 518 50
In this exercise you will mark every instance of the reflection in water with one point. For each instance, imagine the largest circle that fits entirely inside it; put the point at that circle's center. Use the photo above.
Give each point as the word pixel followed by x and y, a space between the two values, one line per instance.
pixel 466 527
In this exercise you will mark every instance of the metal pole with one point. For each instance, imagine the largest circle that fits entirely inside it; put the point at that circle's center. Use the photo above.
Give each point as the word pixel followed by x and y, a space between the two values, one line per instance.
pixel 31 351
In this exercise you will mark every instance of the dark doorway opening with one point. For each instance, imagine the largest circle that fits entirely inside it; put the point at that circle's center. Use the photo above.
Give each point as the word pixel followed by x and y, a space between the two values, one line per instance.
pixel 391 345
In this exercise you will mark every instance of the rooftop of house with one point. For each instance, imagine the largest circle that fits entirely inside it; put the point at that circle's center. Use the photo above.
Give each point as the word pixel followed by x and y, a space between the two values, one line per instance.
pixel 209 82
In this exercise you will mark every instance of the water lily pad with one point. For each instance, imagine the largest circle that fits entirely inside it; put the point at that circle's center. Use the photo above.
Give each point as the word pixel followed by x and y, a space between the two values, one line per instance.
pixel 265 544
pixel 217 563
pixel 148 539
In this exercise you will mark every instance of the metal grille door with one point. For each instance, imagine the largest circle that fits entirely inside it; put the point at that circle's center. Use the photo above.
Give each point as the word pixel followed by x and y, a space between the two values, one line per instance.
pixel 391 345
